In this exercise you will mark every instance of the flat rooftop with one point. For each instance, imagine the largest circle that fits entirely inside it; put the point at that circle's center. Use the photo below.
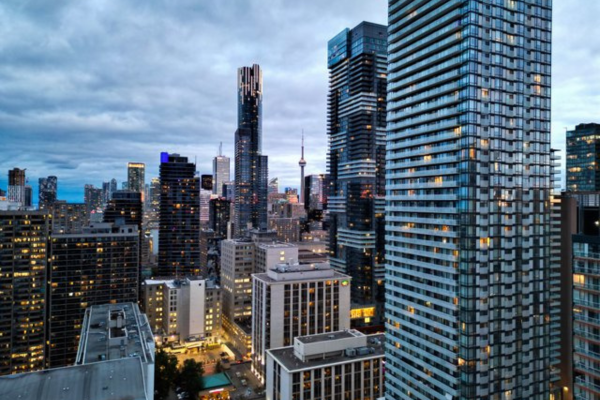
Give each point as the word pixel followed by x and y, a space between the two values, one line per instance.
pixel 110 380
pixel 277 245
pixel 114 331
pixel 286 357
pixel 301 272
pixel 325 337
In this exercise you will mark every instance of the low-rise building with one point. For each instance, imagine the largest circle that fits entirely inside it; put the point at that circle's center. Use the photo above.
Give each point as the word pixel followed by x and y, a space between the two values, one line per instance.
pixel 340 365
pixel 117 331
pixel 183 310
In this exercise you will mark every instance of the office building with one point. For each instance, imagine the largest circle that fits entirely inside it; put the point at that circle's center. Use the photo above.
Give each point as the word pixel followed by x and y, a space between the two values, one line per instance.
pixel 28 202
pixel 315 201
pixel 270 254
pixel 183 310
pixel 136 177
pixel 229 191
pixel 205 196
pixel 237 265
pixel 47 192
pixel 219 215
pixel 273 185
pixel 251 167
pixel 221 173
pixel 80 382
pixel 100 265
pixel 112 332
pixel 16 186
pixel 125 207
pixel 291 300
pixel 23 273
pixel 583 158
pixel 179 232
pixel 92 197
pixel 357 62
pixel 468 180
pixel 341 365
pixel 68 217
pixel 288 229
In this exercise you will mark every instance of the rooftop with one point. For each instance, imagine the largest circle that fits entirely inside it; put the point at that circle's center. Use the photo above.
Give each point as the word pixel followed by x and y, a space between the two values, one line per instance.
pixel 110 380
pixel 114 331
pixel 301 272
pixel 277 245
pixel 334 351
pixel 322 337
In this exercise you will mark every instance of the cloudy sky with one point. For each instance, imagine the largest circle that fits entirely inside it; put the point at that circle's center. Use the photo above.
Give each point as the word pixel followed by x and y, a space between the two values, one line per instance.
pixel 88 85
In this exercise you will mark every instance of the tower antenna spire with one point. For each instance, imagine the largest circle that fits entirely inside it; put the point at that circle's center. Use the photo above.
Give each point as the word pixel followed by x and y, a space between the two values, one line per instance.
pixel 220 149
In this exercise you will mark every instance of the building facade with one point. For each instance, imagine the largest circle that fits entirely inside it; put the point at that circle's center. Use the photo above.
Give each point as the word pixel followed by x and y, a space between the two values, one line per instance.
pixel 583 158
pixel 47 192
pixel 16 186
pixel 468 184
pixel 179 230
pixel 251 167
pixel 68 217
pixel 136 177
pixel 291 300
pixel 340 365
pixel 357 61
pixel 23 274
pixel 92 197
pixel 185 310
pixel 100 265
pixel 221 173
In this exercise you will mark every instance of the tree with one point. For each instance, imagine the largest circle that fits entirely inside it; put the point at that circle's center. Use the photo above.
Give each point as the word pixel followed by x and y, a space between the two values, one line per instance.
pixel 218 367
pixel 188 378
pixel 165 373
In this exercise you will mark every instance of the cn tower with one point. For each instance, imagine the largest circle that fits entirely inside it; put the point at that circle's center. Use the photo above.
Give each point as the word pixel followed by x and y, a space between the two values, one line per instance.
pixel 302 164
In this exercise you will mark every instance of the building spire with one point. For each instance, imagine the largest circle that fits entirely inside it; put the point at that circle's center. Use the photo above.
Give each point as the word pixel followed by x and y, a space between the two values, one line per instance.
pixel 220 149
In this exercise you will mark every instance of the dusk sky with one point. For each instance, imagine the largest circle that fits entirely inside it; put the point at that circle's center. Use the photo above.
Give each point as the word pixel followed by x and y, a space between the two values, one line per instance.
pixel 88 85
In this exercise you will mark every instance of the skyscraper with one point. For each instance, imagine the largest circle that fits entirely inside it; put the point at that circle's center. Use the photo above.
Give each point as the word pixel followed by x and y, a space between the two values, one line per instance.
pixel 357 65
pixel 583 158
pixel 47 192
pixel 274 185
pixel 97 266
pixel 219 216
pixel 468 200
pixel 92 197
pixel 179 231
pixel 23 271
pixel 136 177
pixel 16 186
pixel 221 173
pixel 251 167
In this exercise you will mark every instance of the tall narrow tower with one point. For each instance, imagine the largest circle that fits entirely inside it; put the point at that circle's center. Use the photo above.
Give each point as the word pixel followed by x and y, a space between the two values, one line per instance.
pixel 251 166
pixel 467 244
pixel 302 164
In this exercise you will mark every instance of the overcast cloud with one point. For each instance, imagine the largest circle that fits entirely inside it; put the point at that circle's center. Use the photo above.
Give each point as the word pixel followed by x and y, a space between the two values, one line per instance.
pixel 88 85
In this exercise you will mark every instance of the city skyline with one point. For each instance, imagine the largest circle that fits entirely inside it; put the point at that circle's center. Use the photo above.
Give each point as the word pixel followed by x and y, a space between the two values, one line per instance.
pixel 83 109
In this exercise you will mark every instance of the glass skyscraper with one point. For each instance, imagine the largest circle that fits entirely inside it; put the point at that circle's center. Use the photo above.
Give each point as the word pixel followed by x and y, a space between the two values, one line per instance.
pixel 357 61
pixel 251 167
pixel 136 177
pixel 179 227
pixel 583 158
pixel 47 193
pixel 468 200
